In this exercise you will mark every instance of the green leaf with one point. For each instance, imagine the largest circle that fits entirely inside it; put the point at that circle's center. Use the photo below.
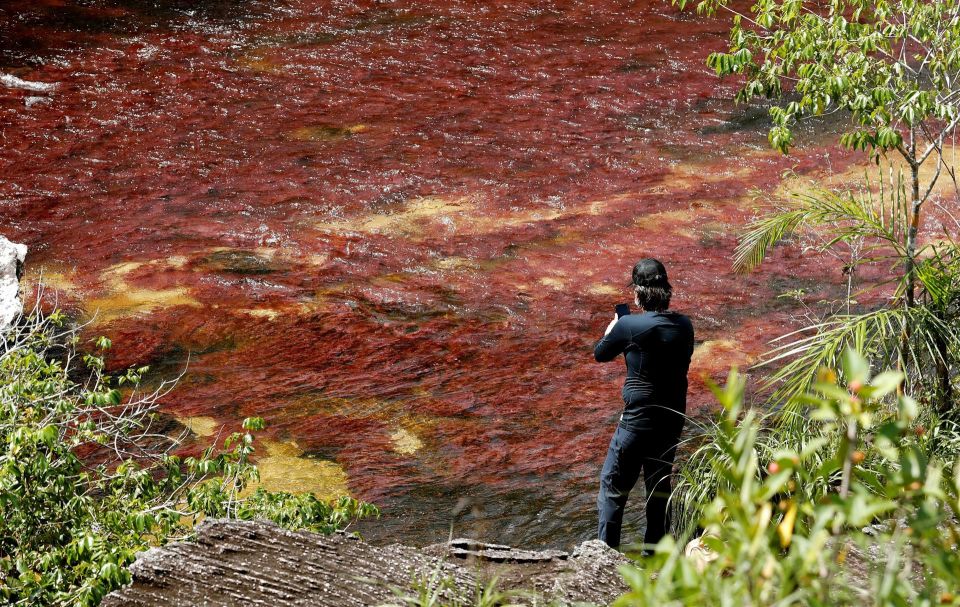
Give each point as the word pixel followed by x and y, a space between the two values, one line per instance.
pixel 908 408
pixel 885 383
pixel 855 367
pixel 49 435
pixel 253 423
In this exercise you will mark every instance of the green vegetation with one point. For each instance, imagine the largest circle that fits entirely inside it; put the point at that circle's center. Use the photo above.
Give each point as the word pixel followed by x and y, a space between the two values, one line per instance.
pixel 891 64
pixel 87 481
pixel 894 67
pixel 786 533
pixel 868 230
pixel 782 497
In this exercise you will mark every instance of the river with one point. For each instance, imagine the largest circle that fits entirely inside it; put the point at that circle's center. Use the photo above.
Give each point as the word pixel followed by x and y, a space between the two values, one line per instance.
pixel 394 229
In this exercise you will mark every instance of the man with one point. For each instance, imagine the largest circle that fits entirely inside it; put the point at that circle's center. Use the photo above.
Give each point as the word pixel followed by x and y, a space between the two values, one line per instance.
pixel 657 345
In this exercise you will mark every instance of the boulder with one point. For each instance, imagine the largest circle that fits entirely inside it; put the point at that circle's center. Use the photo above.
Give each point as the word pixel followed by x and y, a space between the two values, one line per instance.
pixel 12 256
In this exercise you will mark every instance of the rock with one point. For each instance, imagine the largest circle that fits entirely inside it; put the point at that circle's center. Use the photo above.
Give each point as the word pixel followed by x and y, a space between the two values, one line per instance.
pixel 497 553
pixel 259 563
pixel 12 256
pixel 239 261
pixel 12 81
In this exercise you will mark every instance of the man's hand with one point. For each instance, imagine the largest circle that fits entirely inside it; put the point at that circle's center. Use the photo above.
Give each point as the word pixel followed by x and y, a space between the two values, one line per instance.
pixel 610 326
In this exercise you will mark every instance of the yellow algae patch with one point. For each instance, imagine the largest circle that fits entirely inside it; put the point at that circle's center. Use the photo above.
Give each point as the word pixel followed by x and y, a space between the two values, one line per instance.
pixel 602 289
pixel 411 221
pixel 462 215
pixel 125 300
pixel 553 282
pixel 685 176
pixel 405 442
pixel 255 61
pixel 59 279
pixel 260 65
pixel 857 176
pixel 326 132
pixel 457 263
pixel 599 207
pixel 719 353
pixel 686 222
pixel 123 268
pixel 521 217
pixel 720 172
pixel 663 218
pixel 200 425
pixel 268 313
pixel 117 271
pixel 283 469
pixel 132 301
pixel 177 261
pixel 318 259
pixel 417 213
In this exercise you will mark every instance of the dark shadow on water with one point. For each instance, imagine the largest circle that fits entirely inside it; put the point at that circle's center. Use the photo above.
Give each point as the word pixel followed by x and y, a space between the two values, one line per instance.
pixel 32 32
pixel 529 517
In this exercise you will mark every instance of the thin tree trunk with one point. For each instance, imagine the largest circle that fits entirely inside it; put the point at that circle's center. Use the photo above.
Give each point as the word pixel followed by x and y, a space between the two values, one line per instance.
pixel 909 267
pixel 943 389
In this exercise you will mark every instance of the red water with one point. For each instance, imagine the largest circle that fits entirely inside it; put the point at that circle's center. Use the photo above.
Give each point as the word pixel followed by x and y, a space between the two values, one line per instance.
pixel 359 217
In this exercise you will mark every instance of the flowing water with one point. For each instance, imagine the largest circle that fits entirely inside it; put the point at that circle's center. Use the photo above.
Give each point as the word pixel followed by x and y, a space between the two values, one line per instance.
pixel 393 229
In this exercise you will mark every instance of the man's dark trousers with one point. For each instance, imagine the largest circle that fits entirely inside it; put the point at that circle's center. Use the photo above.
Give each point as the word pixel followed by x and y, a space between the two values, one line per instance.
pixel 650 451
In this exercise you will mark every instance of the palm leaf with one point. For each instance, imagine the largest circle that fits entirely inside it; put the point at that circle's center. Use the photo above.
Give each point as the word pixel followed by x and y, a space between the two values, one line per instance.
pixel 876 334
pixel 850 215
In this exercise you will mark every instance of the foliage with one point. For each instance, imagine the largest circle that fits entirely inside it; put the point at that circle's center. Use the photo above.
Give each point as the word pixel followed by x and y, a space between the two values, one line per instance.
pixel 894 67
pixel 698 480
pixel 892 64
pixel 877 218
pixel 869 228
pixel 87 481
pixel 776 542
pixel 782 504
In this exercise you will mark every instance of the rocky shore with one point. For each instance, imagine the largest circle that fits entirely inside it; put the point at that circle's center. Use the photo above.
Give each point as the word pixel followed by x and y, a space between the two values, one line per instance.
pixel 259 563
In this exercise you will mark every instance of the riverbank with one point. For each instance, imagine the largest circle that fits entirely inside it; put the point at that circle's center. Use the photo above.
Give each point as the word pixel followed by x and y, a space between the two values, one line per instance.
pixel 258 563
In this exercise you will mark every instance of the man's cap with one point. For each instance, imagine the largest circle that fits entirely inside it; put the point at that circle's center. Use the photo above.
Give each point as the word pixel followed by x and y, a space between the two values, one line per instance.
pixel 649 272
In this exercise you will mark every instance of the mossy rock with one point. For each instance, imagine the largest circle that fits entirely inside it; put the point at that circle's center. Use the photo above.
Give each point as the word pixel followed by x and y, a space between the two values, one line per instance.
pixel 239 261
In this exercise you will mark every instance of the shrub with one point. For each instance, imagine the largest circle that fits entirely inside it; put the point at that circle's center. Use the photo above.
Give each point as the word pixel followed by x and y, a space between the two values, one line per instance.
pixel 87 481
pixel 776 542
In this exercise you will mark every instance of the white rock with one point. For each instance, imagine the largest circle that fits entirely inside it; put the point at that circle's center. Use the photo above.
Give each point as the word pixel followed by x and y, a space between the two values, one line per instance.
pixel 12 256
pixel 28 85
pixel 32 101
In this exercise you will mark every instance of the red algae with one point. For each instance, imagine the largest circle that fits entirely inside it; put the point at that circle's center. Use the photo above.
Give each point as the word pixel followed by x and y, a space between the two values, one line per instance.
pixel 395 230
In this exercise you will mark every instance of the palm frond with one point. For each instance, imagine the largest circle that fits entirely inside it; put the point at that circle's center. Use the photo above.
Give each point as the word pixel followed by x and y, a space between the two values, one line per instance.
pixel 763 234
pixel 877 334
pixel 849 215
pixel 938 273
